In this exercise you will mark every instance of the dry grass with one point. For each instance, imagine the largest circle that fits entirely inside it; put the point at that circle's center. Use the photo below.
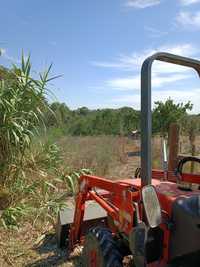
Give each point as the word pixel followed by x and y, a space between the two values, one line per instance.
pixel 33 247
pixel 100 154
pixel 185 147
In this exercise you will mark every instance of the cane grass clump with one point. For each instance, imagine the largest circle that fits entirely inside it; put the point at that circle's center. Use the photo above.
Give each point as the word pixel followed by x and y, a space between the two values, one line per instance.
pixel 22 106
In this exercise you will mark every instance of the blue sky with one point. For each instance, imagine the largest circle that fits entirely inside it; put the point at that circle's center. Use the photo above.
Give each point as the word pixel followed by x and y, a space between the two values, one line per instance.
pixel 99 45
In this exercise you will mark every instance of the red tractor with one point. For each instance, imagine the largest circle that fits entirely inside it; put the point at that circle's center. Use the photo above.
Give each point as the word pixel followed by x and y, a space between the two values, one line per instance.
pixel 151 217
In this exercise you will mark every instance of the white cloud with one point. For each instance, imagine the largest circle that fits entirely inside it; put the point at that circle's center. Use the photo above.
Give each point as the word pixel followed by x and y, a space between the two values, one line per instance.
pixel 128 83
pixel 142 3
pixel 2 51
pixel 189 20
pixel 133 83
pixel 5 55
pixel 133 62
pixel 189 2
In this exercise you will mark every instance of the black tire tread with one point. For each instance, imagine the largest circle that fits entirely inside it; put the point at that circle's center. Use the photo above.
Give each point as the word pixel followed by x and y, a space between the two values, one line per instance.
pixel 108 247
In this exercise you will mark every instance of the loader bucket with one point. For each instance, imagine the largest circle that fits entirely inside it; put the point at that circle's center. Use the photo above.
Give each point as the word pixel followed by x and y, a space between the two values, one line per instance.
pixel 94 215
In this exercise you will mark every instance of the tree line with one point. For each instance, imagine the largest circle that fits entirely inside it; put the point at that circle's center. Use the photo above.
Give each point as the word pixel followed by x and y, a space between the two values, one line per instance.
pixel 121 121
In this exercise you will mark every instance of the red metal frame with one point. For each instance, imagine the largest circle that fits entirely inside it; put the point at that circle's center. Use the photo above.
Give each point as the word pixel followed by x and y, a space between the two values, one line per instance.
pixel 93 259
pixel 117 200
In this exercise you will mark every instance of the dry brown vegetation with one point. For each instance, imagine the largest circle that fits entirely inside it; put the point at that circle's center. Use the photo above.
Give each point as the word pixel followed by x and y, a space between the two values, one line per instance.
pixel 104 155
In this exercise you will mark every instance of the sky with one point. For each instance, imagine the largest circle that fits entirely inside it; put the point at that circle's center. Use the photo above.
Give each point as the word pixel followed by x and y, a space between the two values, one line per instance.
pixel 98 47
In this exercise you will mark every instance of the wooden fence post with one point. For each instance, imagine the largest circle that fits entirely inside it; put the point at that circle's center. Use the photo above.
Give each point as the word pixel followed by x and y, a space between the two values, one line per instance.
pixel 192 138
pixel 173 146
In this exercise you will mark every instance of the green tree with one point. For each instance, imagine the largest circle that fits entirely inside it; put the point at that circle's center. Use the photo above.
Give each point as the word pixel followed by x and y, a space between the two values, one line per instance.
pixel 168 112
pixel 83 111
pixel 129 120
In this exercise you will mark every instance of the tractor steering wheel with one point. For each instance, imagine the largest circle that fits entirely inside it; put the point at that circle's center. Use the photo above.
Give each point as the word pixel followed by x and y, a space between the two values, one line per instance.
pixel 183 161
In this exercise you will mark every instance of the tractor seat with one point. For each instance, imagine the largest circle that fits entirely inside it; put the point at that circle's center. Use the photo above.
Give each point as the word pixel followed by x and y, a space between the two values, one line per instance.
pixel 185 238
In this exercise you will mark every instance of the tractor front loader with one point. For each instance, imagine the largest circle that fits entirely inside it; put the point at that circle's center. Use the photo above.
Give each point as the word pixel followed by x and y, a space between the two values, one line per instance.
pixel 151 217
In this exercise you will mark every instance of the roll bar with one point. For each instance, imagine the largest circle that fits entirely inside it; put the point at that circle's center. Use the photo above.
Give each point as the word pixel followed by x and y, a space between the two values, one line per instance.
pixel 146 114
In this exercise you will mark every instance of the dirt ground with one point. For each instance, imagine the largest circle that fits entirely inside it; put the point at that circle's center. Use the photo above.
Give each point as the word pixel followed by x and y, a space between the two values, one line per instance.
pixel 31 248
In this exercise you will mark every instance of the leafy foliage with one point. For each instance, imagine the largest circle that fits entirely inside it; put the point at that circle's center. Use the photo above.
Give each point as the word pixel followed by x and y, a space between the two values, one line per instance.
pixel 41 189
pixel 168 112
pixel 93 122
pixel 22 104
pixel 120 121
pixel 44 155
pixel 12 215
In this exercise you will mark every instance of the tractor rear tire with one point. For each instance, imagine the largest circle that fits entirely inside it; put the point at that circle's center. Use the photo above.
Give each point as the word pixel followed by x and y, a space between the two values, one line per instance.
pixel 100 249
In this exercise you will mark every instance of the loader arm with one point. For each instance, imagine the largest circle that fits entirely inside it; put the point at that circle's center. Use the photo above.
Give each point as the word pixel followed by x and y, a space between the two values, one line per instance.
pixel 116 200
